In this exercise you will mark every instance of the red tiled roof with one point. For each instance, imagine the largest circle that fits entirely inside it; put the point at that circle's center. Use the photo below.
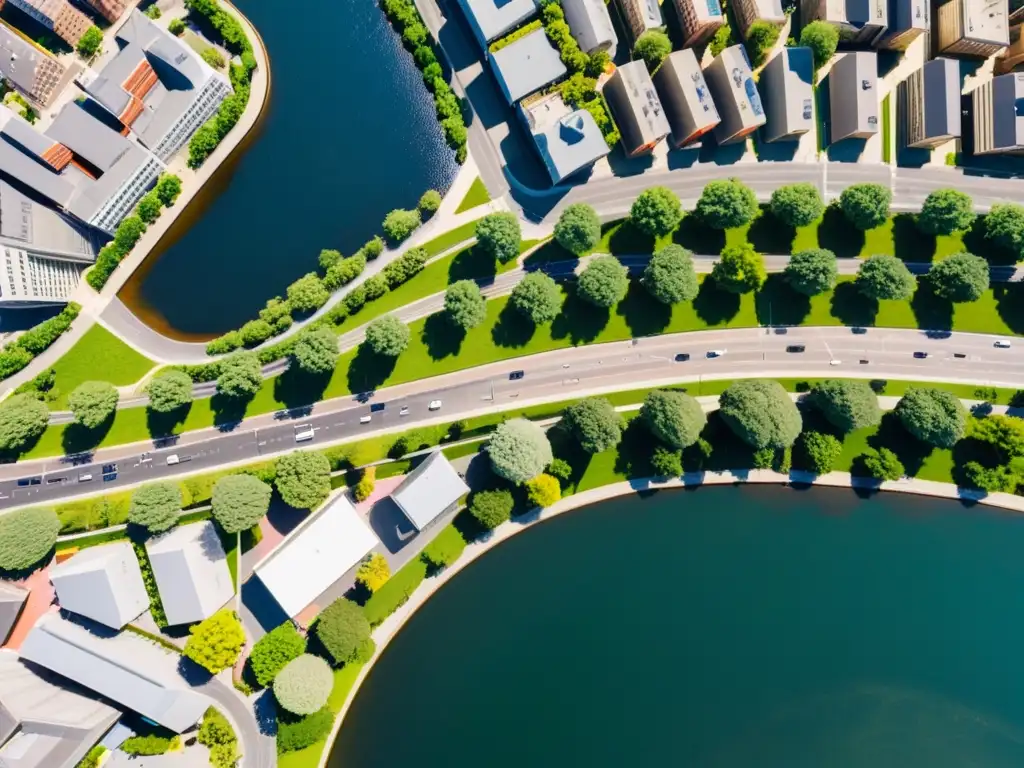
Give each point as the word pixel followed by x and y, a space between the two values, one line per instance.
pixel 58 156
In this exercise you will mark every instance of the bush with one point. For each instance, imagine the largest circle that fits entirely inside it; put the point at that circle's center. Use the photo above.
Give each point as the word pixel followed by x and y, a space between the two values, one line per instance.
pixel 604 282
pixel 293 736
pixel 168 187
pixel 90 42
pixel 373 248
pixel 464 304
pixel 652 46
pixel 519 450
pixel 884 277
pixel 128 233
pixel 666 462
pixel 560 468
pixel 255 332
pixel 674 418
pixel 343 631
pixel 866 205
pixel 740 269
pixel 445 549
pixel 23 419
pixel 304 684
pixel 216 642
pixel 883 465
pixel 723 39
pixel 373 572
pixel 149 206
pixel 169 391
pixel 303 479
pixel 1004 225
pixel 499 235
pixel 812 271
pixel 429 202
pixel 846 404
pixel 543 490
pixel 797 205
pixel 93 402
pixel 399 224
pixel 176 27
pixel 578 229
pixel 240 375
pixel 946 211
pixel 656 211
pixel 156 507
pixel 315 351
pixel 594 423
pixel 307 294
pixel 387 336
pixel 670 277
pixel 229 342
pixel 327 259
pixel 538 297
pixel 491 508
pixel 726 204
pixel 962 277
pixel 364 488
pixel 820 451
pixel 274 650
pixel 213 57
pixel 215 732
pixel 406 267
pixel 150 744
pixel 345 271
pixel 990 479
pixel 760 413
pixel 26 537
pixel 761 36
pixel 239 502
pixel 933 416
pixel 822 38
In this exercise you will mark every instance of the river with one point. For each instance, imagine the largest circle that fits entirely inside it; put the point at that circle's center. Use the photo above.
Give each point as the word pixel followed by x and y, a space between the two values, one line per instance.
pixel 719 628
pixel 350 134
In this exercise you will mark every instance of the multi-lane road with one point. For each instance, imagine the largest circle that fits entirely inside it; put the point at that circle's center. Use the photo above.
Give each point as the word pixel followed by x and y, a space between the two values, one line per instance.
pixel 550 376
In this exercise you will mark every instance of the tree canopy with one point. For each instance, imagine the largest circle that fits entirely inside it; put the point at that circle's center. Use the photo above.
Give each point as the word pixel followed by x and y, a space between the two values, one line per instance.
pixel 933 416
pixel 241 375
pixel 670 277
pixel 93 402
pixel 399 224
pixel 740 269
pixel 304 684
pixel 822 38
pixel 307 294
pixel 797 204
pixel 812 271
pixel 156 507
pixel 820 451
pixel 675 418
pixel 885 277
pixel 866 205
pixel 883 464
pixel 1004 225
pixel 518 450
pixel 594 423
pixel 847 404
pixel 946 211
pixel 239 502
pixel 303 479
pixel 343 631
pixel 387 336
pixel 23 419
pixel 1003 432
pixel 499 235
pixel 26 537
pixel 578 229
pixel 727 203
pixel 429 202
pixel 538 297
pixel 216 642
pixel 761 413
pixel 652 46
pixel 465 304
pixel 603 282
pixel 761 37
pixel 962 277
pixel 315 351
pixel 274 650
pixel 491 508
pixel 543 490
pixel 656 211
pixel 373 572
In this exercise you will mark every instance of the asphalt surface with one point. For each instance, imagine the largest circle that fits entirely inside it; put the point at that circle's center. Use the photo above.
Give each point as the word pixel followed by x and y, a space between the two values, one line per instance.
pixel 549 376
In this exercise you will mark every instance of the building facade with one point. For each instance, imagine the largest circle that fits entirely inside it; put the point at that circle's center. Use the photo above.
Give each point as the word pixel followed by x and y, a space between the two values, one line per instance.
pixel 641 16
pixel 973 27
pixel 908 20
pixel 735 93
pixel 59 16
pixel 110 10
pixel 636 108
pixel 749 11
pixel 684 93
pixel 788 90
pixel 853 96
pixel 929 104
pixel 998 115
pixel 700 19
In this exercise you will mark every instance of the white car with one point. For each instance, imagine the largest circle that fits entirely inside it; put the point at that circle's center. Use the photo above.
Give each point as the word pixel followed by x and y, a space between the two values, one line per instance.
pixel 435 405
pixel 833 361
pixel 1002 344
pixel 365 419
pixel 173 459
pixel 403 411
pixel 716 352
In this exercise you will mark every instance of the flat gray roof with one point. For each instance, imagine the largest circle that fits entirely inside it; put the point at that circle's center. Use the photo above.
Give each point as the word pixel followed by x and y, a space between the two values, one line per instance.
pixel 527 65
pixel 680 80
pixel 434 485
pixel 34 226
pixel 493 18
pixel 590 23
pixel 102 583
pixel 795 77
pixel 1008 110
pixel 12 598
pixel 942 97
pixel 191 572
pixel 853 93
pixel 911 14
pixel 87 137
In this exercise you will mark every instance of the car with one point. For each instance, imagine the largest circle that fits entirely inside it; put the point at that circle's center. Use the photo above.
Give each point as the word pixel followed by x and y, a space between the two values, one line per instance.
pixel 716 352
pixel 858 330
pixel 864 362
pixel 85 477
pixel 377 407
pixel 26 481
pixel 403 411
pixel 108 468
pixel 959 355
pixel 173 459
pixel 921 355
pixel 516 375
pixel 435 405
pixel 55 480
pixel 303 432
pixel 682 357
pixel 833 361
pixel 1002 344
pixel 365 419
pixel 110 477
pixel 796 348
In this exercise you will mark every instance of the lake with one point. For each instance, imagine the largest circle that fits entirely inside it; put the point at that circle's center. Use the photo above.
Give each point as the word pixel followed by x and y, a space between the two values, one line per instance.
pixel 349 135
pixel 722 628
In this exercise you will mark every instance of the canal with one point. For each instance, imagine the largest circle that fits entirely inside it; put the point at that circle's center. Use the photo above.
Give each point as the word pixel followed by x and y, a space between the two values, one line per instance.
pixel 350 134
pixel 723 628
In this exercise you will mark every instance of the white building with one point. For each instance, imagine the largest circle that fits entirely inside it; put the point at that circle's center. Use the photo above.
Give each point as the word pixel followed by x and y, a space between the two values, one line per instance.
pixel 191 572
pixel 102 583
pixel 429 490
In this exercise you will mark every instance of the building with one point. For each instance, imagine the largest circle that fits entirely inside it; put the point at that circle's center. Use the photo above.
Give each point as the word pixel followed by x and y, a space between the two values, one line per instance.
pixel 699 19
pixel 191 572
pixel 491 19
pixel 59 16
pixel 526 66
pixel 128 670
pixel 322 549
pixel 972 27
pixel 12 600
pixel 430 490
pixel 567 140
pixel 749 11
pixel 103 584
pixel 1013 56
pixel 929 104
pixel 32 72
pixel 853 96
pixel 636 108
pixel 908 20
pixel 44 724
pixel 591 25
pixel 684 93
pixel 641 16
pixel 788 86
pixel 157 86
pixel 997 111
pixel 859 21
pixel 735 93
pixel 110 10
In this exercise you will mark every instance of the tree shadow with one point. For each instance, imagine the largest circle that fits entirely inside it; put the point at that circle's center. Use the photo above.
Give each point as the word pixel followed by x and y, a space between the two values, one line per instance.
pixel 976 241
pixel 566 447
pixel 513 329
pixel 909 242
pixel 837 234
pixel 644 314
pixel 368 370
pixel 228 411
pixel 77 438
pixel 932 311
pixel 579 321
pixel 715 306
pixel 851 307
pixel 295 388
pixel 770 235
pixel 778 304
pixel 1010 304
pixel 549 252
pixel 635 450
pixel 694 234
pixel 892 435
pixel 727 450
pixel 472 263
pixel 968 450
pixel 441 336
pixel 627 239
pixel 166 424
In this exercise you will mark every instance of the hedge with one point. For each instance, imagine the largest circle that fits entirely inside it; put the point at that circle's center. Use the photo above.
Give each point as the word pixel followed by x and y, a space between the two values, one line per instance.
pixel 520 33
pixel 299 734
pixel 35 340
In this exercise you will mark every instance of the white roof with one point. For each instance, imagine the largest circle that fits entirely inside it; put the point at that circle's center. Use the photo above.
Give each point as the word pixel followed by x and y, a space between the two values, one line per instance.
pixel 315 555
pixel 102 583
pixel 191 572
pixel 429 490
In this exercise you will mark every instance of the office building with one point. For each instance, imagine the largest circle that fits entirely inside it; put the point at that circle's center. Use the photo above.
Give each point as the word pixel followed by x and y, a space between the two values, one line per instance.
pixel 59 16
pixel 191 572
pixel 972 27
pixel 908 20
pixel 102 583
pixel 526 66
pixel 567 140
pixel 997 109
pixel 699 19
pixel 735 93
pixel 641 16
pixel 636 108
pixel 684 94
pixel 749 11
pixel 591 25
pixel 491 19
pixel 858 21
pixel 929 104
pixel 787 84
pixel 157 86
pixel 33 73
pixel 853 96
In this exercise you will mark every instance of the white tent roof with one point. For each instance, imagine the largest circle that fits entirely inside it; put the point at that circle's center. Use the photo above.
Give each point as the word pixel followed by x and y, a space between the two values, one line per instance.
pixel 429 490
pixel 102 583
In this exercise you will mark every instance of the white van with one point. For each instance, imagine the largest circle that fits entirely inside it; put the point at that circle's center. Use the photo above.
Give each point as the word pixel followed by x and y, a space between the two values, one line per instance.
pixel 303 433
pixel 172 459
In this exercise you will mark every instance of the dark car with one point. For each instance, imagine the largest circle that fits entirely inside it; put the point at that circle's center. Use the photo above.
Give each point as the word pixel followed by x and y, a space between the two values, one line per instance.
pixel 108 468
pixel 25 481
pixel 959 355
pixel 377 407
pixel 796 348
pixel 110 476
pixel 859 330
pixel 682 357
pixel 516 375
pixel 920 355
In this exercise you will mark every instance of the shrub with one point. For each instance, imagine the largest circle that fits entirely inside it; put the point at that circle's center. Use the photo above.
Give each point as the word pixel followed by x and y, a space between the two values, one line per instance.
pixel 538 297
pixel 399 224
pixel 656 211
pixel 149 206
pixel 740 269
pixel 761 37
pixel 345 271
pixel 822 38
pixel 215 642
pixel 846 404
pixel 674 418
pixel 543 490
pixel 990 479
pixel 578 229
pixel 90 42
pixel 303 479
pixel 933 416
pixel 215 732
pixel 866 205
pixel 406 267
pixel 797 205
pixel 169 391
pixel 820 451
pixel 315 351
pixel 128 233
pixel 274 650
pixel 885 277
pixel 604 282
pixel 727 203
pixel 883 465
pixel 429 202
pixel 518 450
pixel 1003 432
pixel 760 413
pixel 946 211
pixel 176 27
pixel 499 235
pixel 652 46
pixel 213 57
pixel 962 277
pixel 560 468
pixel 239 502
pixel 255 332
pixel 149 744
pixel 23 419
pixel 666 462
pixel 464 304
pixel 229 342
pixel 373 572
pixel 1004 225
pixel 304 684
pixel 364 488
pixel 594 423
pixel 299 734
pixel 723 39
pixel 343 631
pixel 307 294
pixel 156 507
pixel 93 402
pixel 373 248
pixel 491 508
pixel 240 375
pixel 387 336
pixel 167 188
pixel 812 271
pixel 327 259
pixel 26 537
pixel 445 549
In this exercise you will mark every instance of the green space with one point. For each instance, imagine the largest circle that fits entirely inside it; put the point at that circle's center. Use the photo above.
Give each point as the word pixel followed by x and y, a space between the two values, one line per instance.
pixel 450 238
pixel 886 129
pixel 477 195
pixel 344 679
pixel 98 355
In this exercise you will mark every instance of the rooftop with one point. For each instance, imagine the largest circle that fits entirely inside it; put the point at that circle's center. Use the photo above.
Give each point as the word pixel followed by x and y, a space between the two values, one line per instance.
pixel 590 23
pixel 986 21
pixel 102 583
pixel 741 96
pixel 859 13
pixel 21 63
pixel 496 17
pixel 527 65
pixel 31 224
pixel 643 100
pixel 12 598
pixel 1008 110
pixel 942 97
pixel 797 83
pixel 683 69
pixel 434 485
pixel 191 572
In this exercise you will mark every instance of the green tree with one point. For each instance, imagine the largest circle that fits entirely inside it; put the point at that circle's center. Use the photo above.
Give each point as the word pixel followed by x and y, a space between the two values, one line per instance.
pixel 727 203
pixel 543 490
pixel 211 56
pixel 465 304
pixel 23 420
pixel 946 211
pixel 90 42
pixel 303 479
pixel 399 224
pixel 168 187
pixel 293 735
pixel 934 416
pixel 364 488
pixel 885 277
pixel 594 423
pixel 797 205
pixel 675 418
pixel 128 233
pixel 537 296
pixel 429 202
pixel 578 229
pixel 761 36
pixel 327 259
pixel 740 269
pixel 255 332
pixel 866 205
pixel 240 375
pixel 216 642
pixel 823 39
pixel 820 451
pixel 603 282
pixel 372 248
pixel 26 537
pixel 387 336
pixel 307 294
pixel 315 351
pixel 344 632
pixel 962 277
pixel 373 572
pixel 666 462
pixel 149 206
pixel 723 39
pixel 656 211
pixel 812 271
pixel 560 468
pixel 93 402
pixel 491 508
pixel 1004 225
pixel 176 27
pixel 1004 433
pixel 239 502
pixel 761 413
pixel 274 650
pixel 156 507
pixel 169 391
pixel 500 236
pixel 304 684
pixel 652 46
pixel 519 450
pixel 883 464
pixel 847 404
pixel 990 479
pixel 670 277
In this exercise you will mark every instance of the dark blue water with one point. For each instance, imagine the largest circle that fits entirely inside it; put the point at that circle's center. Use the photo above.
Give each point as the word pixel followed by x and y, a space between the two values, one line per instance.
pixel 350 134
pixel 720 628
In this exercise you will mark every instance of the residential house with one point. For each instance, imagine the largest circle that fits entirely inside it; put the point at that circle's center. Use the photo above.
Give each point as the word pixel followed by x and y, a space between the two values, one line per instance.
pixel 641 16
pixel 31 71
pixel 636 108
pixel 749 11
pixel 859 21
pixel 12 600
pixel 700 19
pixel 997 111
pixel 973 27
pixel 685 95
pixel 567 140
pixel 908 20
pixel 929 104
pixel 102 583
pixel 526 66
pixel 591 25
pixel 735 93
pixel 434 486
pixel 59 16
pixel 853 96
pixel 787 87
pixel 491 19
pixel 191 572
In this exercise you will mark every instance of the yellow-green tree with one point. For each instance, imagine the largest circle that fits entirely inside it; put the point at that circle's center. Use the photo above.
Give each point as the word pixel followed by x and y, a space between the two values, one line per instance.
pixel 543 490
pixel 373 572
pixel 214 643
pixel 364 488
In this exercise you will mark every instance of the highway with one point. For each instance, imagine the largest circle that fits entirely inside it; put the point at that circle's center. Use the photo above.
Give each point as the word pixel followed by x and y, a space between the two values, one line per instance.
pixel 549 376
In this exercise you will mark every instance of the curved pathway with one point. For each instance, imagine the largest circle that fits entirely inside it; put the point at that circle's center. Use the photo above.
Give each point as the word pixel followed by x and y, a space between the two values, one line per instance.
pixel 259 750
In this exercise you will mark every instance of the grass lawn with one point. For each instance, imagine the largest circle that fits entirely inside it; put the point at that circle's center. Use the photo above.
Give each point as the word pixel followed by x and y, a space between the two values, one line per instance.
pixel 395 591
pixel 309 757
pixel 886 129
pixel 477 195
pixel 450 238
pixel 99 354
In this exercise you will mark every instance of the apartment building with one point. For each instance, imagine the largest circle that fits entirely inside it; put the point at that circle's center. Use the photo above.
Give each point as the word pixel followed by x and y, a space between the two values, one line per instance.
pixel 853 96
pixel 700 19
pixel 735 93
pixel 908 20
pixel 32 72
pixel 110 10
pixel 491 19
pixel 749 11
pixel 641 16
pixel 684 93
pixel 929 104
pixel 788 88
pixel 973 27
pixel 567 140
pixel 998 115
pixel 636 109
pixel 591 25
pixel 858 21
pixel 59 16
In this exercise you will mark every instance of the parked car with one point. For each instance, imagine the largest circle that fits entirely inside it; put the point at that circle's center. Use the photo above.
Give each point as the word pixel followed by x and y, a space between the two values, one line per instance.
pixel 173 458
pixel 403 411
pixel 833 361
pixel 85 477
pixel 435 405
pixel 959 355
pixel 108 468
pixel 377 407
